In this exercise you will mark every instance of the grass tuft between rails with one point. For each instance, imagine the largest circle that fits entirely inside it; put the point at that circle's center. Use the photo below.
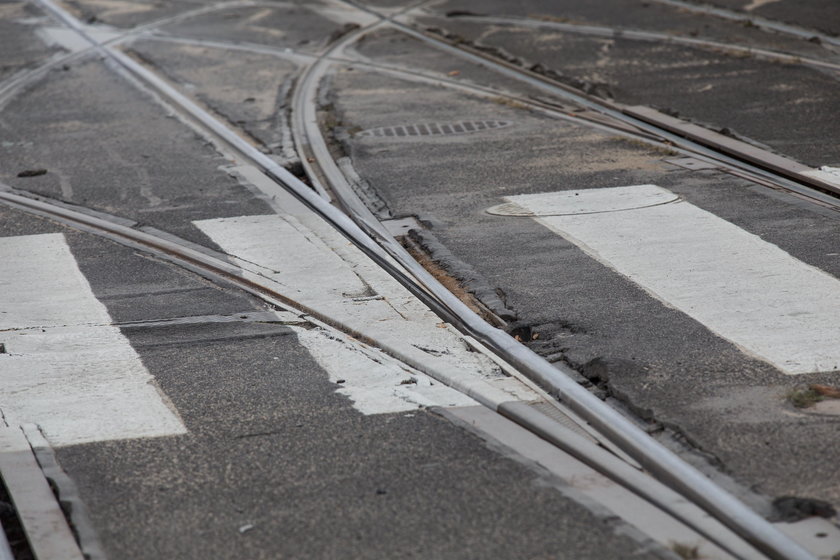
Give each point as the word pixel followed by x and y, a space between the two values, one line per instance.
pixel 804 397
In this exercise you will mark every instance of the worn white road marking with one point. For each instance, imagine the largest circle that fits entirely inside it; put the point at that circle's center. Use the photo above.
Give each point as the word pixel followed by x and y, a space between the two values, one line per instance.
pixel 71 41
pixel 826 173
pixel 65 367
pixel 376 384
pixel 746 290
pixel 318 268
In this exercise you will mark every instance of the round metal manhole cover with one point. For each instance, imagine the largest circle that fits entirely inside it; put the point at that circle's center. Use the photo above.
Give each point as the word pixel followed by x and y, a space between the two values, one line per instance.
pixel 434 129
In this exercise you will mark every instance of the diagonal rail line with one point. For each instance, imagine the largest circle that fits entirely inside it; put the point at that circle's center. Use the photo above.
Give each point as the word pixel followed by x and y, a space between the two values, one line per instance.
pixel 662 463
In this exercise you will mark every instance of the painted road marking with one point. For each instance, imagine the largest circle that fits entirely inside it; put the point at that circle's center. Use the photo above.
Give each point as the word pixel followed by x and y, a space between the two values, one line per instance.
pixel 313 264
pixel 825 173
pixel 375 383
pixel 751 292
pixel 65 367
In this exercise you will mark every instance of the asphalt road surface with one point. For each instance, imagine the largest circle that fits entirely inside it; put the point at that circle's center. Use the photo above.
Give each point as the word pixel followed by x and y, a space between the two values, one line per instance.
pixel 308 405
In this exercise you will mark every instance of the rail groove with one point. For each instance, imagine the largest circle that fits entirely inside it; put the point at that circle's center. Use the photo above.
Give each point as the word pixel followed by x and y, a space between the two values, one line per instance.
pixel 218 270
pixel 650 36
pixel 758 21
pixel 748 169
pixel 371 238
pixel 809 187
pixel 655 458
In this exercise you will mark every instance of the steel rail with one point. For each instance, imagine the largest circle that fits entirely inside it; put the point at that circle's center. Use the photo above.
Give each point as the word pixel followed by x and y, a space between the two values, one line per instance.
pixel 592 119
pixel 652 36
pixel 556 379
pixel 217 269
pixel 234 273
pixel 723 13
pixel 323 172
pixel 599 123
pixel 657 459
pixel 224 268
pixel 301 119
pixel 10 87
pixel 794 182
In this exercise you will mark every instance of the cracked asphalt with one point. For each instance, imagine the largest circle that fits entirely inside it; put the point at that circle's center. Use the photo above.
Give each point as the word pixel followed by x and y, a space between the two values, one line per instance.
pixel 276 463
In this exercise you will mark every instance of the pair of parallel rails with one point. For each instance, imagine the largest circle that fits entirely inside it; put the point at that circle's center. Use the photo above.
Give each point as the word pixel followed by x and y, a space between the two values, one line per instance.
pixel 663 474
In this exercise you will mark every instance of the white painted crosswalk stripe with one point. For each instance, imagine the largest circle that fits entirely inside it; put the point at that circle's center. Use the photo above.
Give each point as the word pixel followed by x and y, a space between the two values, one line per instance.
pixel 751 292
pixel 318 268
pixel 65 367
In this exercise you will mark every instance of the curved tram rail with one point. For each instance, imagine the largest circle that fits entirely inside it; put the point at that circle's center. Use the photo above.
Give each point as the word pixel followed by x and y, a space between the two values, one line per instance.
pixel 361 228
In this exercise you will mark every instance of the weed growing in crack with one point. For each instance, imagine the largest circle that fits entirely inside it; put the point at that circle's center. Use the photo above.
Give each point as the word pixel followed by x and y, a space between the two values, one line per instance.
pixel 804 397
pixel 686 551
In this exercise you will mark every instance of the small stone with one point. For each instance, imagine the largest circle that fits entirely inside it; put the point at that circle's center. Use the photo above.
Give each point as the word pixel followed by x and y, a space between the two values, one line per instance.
pixel 246 528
